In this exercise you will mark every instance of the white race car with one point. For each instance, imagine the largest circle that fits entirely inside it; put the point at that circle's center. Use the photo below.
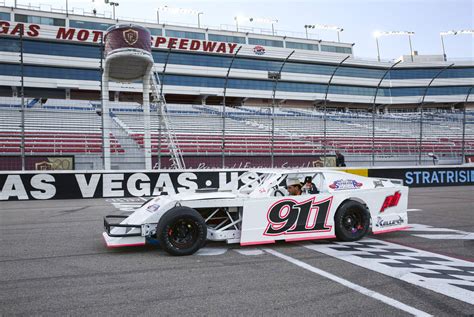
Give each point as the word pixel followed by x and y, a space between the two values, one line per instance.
pixel 337 205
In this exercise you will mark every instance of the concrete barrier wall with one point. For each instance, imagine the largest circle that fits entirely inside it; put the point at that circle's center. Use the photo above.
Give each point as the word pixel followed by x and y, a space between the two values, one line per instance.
pixel 105 184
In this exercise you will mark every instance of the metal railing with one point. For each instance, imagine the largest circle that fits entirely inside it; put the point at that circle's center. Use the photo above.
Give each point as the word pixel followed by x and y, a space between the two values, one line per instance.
pixel 191 136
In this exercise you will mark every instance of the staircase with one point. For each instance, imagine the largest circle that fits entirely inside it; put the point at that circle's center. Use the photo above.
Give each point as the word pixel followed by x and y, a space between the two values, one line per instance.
pixel 164 121
pixel 133 158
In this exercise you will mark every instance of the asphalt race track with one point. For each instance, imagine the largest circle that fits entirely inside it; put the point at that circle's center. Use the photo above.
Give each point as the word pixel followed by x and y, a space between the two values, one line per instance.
pixel 53 262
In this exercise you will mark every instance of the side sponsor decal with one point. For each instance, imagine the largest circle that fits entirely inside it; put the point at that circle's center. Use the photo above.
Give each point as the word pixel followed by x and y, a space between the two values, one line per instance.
pixel 343 184
pixel 391 201
pixel 378 183
pixel 383 223
pixel 289 217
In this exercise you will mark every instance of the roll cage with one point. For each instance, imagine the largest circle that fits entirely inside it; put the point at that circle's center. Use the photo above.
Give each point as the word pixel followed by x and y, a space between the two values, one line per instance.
pixel 264 184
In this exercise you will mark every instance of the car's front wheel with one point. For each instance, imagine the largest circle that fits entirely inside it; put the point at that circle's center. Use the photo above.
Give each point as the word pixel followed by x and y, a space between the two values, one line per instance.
pixel 181 231
pixel 352 221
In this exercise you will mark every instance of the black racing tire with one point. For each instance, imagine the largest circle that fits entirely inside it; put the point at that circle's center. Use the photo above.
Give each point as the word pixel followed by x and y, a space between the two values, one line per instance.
pixel 352 221
pixel 181 231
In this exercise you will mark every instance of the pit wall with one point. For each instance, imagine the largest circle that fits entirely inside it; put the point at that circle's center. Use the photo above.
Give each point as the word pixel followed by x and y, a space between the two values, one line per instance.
pixel 105 184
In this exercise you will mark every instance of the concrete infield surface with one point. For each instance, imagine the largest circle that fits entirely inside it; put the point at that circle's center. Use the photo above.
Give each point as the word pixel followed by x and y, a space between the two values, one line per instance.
pixel 53 261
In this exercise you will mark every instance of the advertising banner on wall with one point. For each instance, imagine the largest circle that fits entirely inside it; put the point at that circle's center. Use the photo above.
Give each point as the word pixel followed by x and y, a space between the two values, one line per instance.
pixel 37 163
pixel 428 177
pixel 26 186
pixel 254 161
pixel 100 184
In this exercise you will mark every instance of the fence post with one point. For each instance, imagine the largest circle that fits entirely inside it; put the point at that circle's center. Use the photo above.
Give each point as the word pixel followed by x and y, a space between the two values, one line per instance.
pixel 223 112
pixel 160 106
pixel 373 109
pixel 275 83
pixel 463 141
pixel 421 110
pixel 101 69
pixel 325 107
pixel 22 93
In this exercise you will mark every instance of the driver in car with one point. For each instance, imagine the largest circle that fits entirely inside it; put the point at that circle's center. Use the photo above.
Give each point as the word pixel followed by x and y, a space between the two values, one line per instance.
pixel 293 186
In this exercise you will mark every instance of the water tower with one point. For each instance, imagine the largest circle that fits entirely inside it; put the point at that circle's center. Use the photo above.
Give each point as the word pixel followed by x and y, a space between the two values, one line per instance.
pixel 128 58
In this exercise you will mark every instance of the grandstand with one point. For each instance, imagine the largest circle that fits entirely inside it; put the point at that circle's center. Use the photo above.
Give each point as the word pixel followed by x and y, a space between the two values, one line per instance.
pixel 325 99
pixel 76 130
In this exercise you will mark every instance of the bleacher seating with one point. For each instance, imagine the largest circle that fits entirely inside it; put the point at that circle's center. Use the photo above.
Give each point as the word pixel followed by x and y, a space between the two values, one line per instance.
pixel 53 132
pixel 62 128
pixel 248 131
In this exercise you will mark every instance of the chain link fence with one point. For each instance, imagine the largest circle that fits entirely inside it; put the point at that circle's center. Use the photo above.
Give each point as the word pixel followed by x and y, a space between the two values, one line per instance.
pixel 67 134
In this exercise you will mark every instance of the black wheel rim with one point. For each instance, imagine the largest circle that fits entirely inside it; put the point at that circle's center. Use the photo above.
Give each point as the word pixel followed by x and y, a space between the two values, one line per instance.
pixel 353 222
pixel 182 233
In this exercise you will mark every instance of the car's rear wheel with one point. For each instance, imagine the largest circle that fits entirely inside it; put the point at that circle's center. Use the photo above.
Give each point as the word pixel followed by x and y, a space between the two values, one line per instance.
pixel 181 231
pixel 352 221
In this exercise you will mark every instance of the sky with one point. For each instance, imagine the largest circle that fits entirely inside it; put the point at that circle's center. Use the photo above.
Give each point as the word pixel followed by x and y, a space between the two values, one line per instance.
pixel 359 18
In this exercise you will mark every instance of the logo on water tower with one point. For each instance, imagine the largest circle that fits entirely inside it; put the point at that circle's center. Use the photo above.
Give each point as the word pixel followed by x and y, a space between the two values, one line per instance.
pixel 130 36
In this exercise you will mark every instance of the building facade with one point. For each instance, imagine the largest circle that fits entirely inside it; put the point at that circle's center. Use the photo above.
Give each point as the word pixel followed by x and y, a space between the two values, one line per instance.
pixel 61 59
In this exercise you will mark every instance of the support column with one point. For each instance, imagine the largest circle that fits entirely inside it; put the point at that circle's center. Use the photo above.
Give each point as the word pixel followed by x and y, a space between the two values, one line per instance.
pixel 105 120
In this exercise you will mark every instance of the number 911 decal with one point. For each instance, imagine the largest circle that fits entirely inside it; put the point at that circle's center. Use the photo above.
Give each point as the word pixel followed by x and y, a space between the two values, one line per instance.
pixel 288 216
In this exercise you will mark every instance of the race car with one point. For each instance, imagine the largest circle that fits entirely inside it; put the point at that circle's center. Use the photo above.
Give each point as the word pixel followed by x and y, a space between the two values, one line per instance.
pixel 264 209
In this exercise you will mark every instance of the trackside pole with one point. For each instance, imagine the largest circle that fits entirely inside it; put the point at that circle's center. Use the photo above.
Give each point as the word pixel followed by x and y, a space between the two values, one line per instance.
pixel 105 120
pixel 146 119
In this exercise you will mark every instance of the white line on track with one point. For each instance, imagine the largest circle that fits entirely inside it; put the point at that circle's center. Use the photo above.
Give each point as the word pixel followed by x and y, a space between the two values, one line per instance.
pixel 387 300
pixel 467 236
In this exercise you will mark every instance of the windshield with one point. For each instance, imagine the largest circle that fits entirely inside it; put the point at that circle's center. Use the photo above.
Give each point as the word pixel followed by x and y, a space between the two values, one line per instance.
pixel 257 184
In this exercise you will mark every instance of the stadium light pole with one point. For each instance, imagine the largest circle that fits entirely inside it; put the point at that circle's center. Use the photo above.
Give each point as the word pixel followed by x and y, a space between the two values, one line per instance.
pixel 452 33
pixel 263 20
pixel 463 141
pixel 224 105
pixel 329 28
pixel 421 108
pixel 373 108
pixel 236 19
pixel 325 106
pixel 276 77
pixel 378 34
pixel 175 10
pixel 199 19
pixel 306 27
pixel 113 4
pixel 158 15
